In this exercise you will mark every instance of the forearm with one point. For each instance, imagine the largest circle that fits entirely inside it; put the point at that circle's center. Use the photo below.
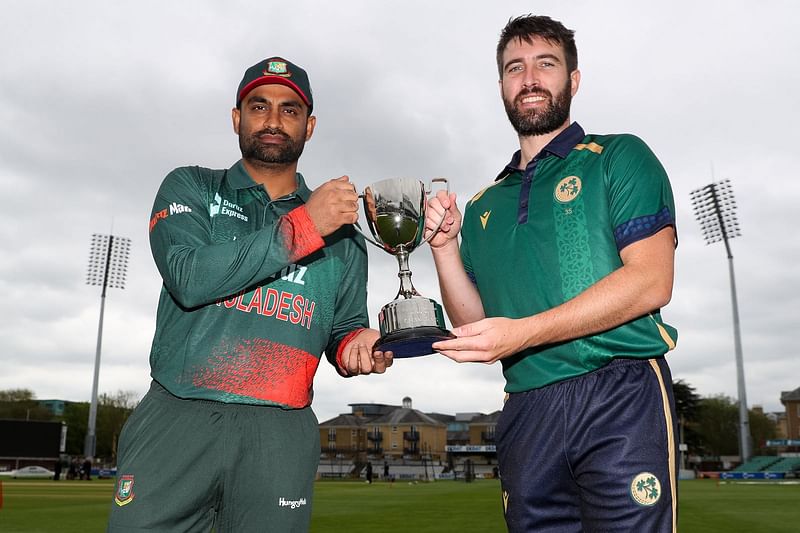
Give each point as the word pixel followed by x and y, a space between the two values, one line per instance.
pixel 350 313
pixel 197 274
pixel 642 285
pixel 459 295
pixel 614 300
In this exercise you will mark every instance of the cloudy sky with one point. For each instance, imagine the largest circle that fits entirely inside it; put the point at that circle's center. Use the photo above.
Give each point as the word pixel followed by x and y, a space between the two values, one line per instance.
pixel 99 100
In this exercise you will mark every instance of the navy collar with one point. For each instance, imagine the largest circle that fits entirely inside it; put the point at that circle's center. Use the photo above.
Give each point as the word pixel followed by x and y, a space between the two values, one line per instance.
pixel 560 146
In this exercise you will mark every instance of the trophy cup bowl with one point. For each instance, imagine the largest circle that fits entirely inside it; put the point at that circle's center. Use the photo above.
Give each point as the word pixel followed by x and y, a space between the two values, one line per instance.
pixel 395 212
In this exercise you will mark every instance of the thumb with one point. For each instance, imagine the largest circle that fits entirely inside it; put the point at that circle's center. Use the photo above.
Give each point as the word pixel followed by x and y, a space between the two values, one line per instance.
pixel 467 330
pixel 342 178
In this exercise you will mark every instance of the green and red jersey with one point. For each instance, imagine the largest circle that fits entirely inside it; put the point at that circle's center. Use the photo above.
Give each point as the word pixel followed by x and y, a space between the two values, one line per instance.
pixel 540 236
pixel 252 293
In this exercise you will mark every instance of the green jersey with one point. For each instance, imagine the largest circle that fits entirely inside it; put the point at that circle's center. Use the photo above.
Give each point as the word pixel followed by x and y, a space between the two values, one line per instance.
pixel 540 236
pixel 252 293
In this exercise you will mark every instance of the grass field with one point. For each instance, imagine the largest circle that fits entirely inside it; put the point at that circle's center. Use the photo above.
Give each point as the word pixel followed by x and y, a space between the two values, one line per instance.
pixel 444 506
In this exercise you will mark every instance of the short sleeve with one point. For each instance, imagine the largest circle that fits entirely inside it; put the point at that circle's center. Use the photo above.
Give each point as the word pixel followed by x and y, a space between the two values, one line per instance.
pixel 640 196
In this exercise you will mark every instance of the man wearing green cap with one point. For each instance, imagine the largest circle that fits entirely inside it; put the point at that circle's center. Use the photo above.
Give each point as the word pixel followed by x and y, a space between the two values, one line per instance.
pixel 261 276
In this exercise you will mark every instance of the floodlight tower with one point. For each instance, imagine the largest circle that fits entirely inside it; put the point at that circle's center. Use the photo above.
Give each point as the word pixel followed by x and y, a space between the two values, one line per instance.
pixel 715 210
pixel 108 265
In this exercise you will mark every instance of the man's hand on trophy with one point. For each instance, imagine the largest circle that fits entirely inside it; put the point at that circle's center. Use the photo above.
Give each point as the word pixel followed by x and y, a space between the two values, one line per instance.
pixel 486 341
pixel 358 357
pixel 332 205
pixel 443 204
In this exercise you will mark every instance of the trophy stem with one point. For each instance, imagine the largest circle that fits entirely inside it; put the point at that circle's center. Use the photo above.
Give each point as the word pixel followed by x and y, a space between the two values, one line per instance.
pixel 407 289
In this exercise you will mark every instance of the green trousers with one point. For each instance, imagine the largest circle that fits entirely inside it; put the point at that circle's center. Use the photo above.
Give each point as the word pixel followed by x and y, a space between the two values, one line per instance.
pixel 193 465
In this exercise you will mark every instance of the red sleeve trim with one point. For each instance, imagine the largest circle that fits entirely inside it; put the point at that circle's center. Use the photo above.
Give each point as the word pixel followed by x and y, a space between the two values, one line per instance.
pixel 300 234
pixel 340 350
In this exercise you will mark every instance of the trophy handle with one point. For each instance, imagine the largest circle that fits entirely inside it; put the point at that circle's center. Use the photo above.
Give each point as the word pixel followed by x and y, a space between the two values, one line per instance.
pixel 366 237
pixel 429 190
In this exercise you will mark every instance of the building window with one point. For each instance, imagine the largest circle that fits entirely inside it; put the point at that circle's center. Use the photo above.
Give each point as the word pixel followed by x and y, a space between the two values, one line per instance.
pixel 353 434
pixel 394 445
pixel 332 440
pixel 394 429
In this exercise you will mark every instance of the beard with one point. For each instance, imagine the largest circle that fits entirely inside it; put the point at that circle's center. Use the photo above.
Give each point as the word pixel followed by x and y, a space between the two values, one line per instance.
pixel 271 155
pixel 534 122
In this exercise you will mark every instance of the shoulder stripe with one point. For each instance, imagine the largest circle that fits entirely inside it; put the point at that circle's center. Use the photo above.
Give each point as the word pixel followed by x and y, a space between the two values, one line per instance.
pixel 480 193
pixel 592 147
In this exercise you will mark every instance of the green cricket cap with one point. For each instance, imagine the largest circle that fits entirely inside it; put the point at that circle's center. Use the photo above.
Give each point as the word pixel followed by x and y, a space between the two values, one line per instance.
pixel 280 71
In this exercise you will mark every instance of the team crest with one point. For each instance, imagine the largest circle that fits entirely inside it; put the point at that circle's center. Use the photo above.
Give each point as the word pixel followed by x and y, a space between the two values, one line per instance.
pixel 645 489
pixel 568 189
pixel 124 494
pixel 277 68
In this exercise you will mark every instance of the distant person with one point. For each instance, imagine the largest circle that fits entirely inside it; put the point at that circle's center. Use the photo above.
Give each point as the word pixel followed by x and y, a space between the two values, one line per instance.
pixel 369 472
pixel 86 469
pixel 72 469
pixel 261 276
pixel 57 470
pixel 564 264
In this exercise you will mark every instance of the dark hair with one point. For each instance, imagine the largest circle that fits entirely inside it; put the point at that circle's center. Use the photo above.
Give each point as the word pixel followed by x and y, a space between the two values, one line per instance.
pixel 526 27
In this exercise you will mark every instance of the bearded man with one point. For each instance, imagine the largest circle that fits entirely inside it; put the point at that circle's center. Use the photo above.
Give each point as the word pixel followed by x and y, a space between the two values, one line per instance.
pixel 260 277
pixel 564 264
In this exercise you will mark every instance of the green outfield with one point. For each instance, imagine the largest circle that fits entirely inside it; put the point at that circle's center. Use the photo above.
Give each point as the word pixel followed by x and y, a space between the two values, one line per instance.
pixel 443 506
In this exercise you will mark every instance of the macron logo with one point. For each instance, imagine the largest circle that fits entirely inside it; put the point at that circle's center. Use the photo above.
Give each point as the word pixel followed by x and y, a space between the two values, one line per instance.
pixel 292 504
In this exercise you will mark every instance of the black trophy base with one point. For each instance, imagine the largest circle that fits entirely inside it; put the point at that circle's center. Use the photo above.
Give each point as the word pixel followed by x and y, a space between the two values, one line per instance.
pixel 412 342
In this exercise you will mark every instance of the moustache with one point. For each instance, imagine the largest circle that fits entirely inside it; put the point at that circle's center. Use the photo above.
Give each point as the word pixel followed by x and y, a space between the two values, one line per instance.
pixel 272 131
pixel 533 92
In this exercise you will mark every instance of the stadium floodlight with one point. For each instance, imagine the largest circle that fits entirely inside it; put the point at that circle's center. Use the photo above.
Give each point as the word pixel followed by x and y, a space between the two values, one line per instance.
pixel 108 265
pixel 715 210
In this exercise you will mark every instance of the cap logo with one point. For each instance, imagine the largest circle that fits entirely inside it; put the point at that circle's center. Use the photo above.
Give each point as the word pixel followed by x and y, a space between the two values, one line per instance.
pixel 277 68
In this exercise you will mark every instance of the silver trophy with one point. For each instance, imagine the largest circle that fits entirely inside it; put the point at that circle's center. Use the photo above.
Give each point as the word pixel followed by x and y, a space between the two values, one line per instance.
pixel 395 213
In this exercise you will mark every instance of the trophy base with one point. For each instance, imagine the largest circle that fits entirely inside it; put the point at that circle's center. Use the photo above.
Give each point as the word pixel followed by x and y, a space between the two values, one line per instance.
pixel 409 326
pixel 412 342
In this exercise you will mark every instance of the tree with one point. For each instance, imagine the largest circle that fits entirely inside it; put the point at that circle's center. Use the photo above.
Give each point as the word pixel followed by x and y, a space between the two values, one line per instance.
pixel 16 395
pixel 76 416
pixel 112 412
pixel 762 429
pixel 21 404
pixel 687 402
pixel 718 426
pixel 687 408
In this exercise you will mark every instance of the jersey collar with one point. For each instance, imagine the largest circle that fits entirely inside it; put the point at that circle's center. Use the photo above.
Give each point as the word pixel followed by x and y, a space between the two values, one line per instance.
pixel 561 145
pixel 238 178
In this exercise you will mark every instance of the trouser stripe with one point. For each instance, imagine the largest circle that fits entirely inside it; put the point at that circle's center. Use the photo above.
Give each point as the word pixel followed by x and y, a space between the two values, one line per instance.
pixel 670 442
